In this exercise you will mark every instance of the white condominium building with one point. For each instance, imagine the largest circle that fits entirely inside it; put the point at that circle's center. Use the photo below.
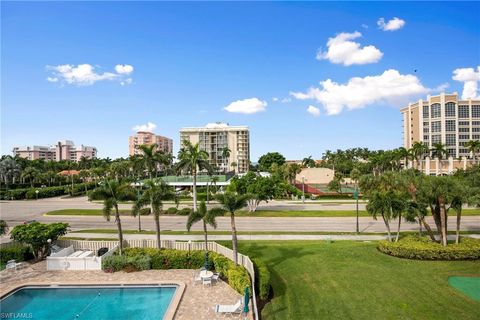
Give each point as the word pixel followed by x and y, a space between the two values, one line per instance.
pixel 215 137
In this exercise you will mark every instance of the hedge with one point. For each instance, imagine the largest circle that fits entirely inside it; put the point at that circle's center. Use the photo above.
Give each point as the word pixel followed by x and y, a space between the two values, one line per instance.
pixel 18 253
pixel 412 247
pixel 45 192
pixel 262 279
pixel 237 276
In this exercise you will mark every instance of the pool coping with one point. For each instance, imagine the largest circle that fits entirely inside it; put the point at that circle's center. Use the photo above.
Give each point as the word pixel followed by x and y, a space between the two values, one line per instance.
pixel 169 314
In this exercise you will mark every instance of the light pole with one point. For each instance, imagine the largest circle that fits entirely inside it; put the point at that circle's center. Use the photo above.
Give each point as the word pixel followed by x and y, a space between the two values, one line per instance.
pixel 303 189
pixel 356 197
pixel 138 186
pixel 36 193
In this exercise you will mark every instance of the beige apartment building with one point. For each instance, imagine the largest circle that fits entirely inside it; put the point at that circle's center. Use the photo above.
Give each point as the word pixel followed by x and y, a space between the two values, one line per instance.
pixel 62 150
pixel 443 119
pixel 148 138
pixel 214 137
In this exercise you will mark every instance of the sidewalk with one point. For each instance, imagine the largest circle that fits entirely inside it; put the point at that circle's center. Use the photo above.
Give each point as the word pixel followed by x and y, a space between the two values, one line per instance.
pixel 199 237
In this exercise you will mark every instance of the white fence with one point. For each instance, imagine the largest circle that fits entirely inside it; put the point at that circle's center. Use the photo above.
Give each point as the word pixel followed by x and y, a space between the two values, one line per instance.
pixel 63 261
pixel 178 245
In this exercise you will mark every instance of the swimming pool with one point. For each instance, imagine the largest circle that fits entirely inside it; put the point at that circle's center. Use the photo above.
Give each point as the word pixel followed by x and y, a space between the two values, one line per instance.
pixel 89 302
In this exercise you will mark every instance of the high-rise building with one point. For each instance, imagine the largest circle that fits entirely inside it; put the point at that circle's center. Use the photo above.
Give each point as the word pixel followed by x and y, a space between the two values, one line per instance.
pixel 214 138
pixel 148 138
pixel 442 119
pixel 62 150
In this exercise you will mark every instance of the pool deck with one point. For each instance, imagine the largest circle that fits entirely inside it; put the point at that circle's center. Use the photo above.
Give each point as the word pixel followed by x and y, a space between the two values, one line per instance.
pixel 197 302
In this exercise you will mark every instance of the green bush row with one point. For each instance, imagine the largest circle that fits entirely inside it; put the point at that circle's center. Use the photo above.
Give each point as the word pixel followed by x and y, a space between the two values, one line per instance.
pixel 262 279
pixel 412 247
pixel 18 253
pixel 237 276
pixel 47 192
pixel 181 212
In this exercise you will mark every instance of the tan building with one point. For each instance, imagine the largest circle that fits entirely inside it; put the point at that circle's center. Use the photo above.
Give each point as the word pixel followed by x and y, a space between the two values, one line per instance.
pixel 148 138
pixel 442 119
pixel 214 137
pixel 62 150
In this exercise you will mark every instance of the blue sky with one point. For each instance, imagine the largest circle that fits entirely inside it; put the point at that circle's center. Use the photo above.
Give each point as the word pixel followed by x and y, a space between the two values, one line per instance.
pixel 191 60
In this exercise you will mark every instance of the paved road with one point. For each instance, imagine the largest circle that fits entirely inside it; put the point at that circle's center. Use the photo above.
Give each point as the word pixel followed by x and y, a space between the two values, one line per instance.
pixel 15 212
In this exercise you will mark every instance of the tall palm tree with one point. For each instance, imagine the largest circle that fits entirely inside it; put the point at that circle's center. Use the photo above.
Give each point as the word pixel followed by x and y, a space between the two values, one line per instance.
pixel 112 192
pixel 156 191
pixel 226 155
pixel 231 203
pixel 419 150
pixel 193 160
pixel 382 203
pixel 149 158
pixel 30 174
pixel 474 148
pixel 206 216
pixel 438 150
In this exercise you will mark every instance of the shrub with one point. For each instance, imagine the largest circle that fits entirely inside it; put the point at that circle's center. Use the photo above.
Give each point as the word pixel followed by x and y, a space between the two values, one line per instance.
pixel 262 279
pixel 412 247
pixel 239 279
pixel 18 253
pixel 184 212
pixel 16 194
pixel 171 210
pixel 114 263
pixel 45 192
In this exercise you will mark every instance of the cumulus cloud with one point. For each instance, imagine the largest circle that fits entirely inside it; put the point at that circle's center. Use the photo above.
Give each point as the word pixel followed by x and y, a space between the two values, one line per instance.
pixel 148 127
pixel 124 68
pixel 274 99
pixel 391 25
pixel 389 87
pixel 341 49
pixel 470 78
pixel 314 111
pixel 86 74
pixel 246 106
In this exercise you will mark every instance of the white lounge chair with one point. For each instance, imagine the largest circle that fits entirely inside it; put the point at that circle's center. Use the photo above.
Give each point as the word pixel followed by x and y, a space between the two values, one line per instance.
pixel 229 308
pixel 196 278
pixel 215 277
pixel 12 264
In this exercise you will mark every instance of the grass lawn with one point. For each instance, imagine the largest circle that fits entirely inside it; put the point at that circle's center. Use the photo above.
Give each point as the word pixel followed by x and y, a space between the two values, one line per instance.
pixel 352 280
pixel 259 213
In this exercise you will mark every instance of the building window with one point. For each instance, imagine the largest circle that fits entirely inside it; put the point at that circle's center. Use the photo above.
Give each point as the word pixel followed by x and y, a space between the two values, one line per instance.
pixel 463 129
pixel 476 137
pixel 436 138
pixel 425 138
pixel 475 111
pixel 464 137
pixel 425 111
pixel 464 123
pixel 435 110
pixel 452 152
pixel 436 126
pixel 450 109
pixel 450 140
pixel 477 129
pixel 476 123
pixel 425 129
pixel 450 125
pixel 463 112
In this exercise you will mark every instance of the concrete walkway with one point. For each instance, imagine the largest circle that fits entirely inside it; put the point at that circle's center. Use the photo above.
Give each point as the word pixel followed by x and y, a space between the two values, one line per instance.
pixel 199 237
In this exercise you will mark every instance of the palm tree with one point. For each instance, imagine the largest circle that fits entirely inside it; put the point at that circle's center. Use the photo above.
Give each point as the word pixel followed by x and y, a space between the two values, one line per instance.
pixel 149 157
pixel 231 203
pixel 474 148
pixel 153 196
pixel 206 216
pixel 226 155
pixel 419 150
pixel 438 150
pixel 192 160
pixel 382 203
pixel 309 162
pixel 9 170
pixel 30 174
pixel 292 170
pixel 111 192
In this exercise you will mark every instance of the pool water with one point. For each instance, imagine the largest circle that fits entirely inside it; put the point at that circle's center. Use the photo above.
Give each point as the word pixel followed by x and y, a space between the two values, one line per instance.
pixel 90 303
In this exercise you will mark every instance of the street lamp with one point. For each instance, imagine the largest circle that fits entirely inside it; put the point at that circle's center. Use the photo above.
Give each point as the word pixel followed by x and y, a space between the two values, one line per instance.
pixel 138 185
pixel 36 193
pixel 49 241
pixel 356 197
pixel 303 189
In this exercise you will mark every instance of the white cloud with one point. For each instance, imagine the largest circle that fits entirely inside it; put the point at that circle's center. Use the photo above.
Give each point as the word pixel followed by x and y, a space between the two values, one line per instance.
pixel 389 87
pixel 126 81
pixel 470 79
pixel 148 127
pixel 286 100
pixel 246 106
pixel 124 68
pixel 391 25
pixel 274 99
pixel 364 26
pixel 85 74
pixel 342 50
pixel 313 111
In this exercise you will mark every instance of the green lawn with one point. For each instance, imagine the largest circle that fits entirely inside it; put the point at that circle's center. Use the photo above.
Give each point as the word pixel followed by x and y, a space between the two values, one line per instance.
pixel 352 280
pixel 259 213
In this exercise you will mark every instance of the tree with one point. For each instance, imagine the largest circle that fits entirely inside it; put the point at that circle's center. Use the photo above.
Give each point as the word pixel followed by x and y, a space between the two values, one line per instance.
pixel 438 150
pixel 112 192
pixel 308 162
pixel 193 160
pixel 36 236
pixel 256 188
pixel 30 174
pixel 265 162
pixel 388 205
pixel 149 158
pixel 335 185
pixel 153 196
pixel 226 155
pixel 231 203
pixel 3 227
pixel 206 216
pixel 9 170
pixel 418 151
pixel 291 172
pixel 474 148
